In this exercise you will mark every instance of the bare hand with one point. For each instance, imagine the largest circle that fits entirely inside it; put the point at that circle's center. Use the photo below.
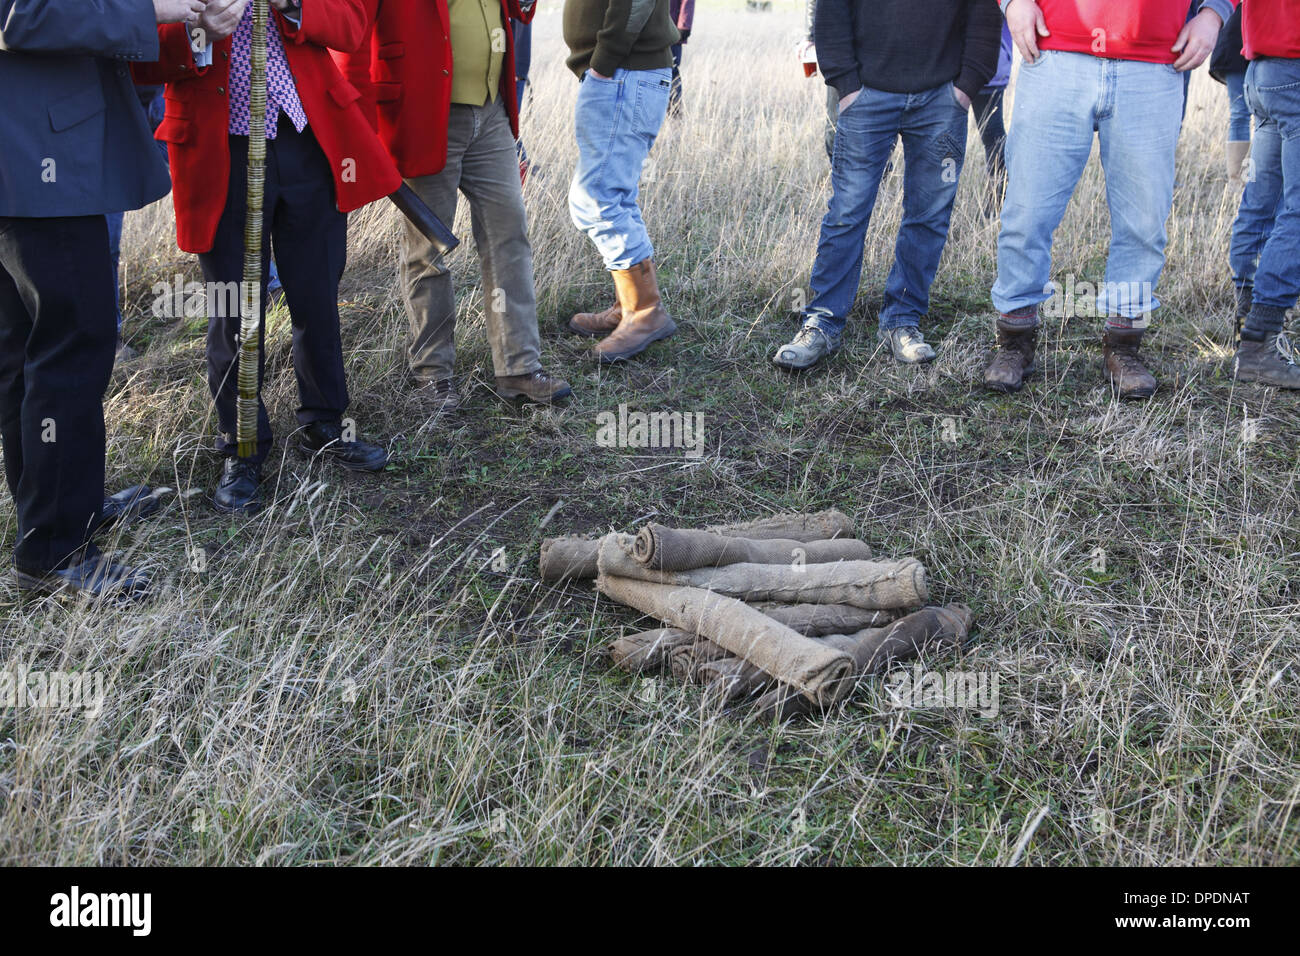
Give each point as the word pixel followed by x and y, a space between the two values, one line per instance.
pixel 285 6
pixel 1026 23
pixel 1197 40
pixel 847 101
pixel 599 76
pixel 177 11
pixel 962 98
pixel 221 18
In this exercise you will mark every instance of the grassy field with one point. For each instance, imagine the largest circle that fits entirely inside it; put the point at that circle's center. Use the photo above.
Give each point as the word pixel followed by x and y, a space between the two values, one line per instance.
pixel 354 677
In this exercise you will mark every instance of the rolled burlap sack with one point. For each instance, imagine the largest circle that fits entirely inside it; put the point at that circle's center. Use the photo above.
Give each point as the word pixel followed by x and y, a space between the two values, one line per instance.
pixel 817 526
pixel 648 650
pixel 670 549
pixel 813 620
pixel 930 629
pixel 819 672
pixel 872 585
pixel 732 678
pixel 568 558
pixel 574 558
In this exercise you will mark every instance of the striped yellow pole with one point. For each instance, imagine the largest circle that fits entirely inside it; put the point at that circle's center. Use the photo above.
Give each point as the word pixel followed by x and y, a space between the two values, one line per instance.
pixel 250 331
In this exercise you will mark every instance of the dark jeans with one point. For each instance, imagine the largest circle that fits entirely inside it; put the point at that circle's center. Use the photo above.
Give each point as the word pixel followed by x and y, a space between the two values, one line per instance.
pixel 675 91
pixel 56 355
pixel 989 117
pixel 932 125
pixel 1273 92
pixel 310 236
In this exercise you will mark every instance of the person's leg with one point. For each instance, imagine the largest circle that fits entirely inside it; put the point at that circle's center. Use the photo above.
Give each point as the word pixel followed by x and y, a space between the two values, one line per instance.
pixel 675 93
pixel 115 221
pixel 1139 139
pixel 988 108
pixel 426 280
pixel 866 131
pixel 223 271
pixel 934 149
pixel 311 237
pixel 1260 200
pixel 1273 86
pixel 1237 148
pixel 1047 148
pixel 56 329
pixel 490 183
pixel 617 121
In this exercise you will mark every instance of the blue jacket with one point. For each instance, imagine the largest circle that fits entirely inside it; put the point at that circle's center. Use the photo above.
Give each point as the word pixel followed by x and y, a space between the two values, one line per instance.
pixel 73 139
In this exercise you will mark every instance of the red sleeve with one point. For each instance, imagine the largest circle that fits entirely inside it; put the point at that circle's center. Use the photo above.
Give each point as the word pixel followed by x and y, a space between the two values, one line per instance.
pixel 341 25
pixel 175 58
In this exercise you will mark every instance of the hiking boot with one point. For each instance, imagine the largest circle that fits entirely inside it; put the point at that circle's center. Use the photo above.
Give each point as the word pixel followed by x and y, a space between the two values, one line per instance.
pixel 1124 365
pixel 908 345
pixel 1013 359
pixel 645 320
pixel 440 397
pixel 326 439
pixel 138 501
pixel 238 491
pixel 539 387
pixel 1267 362
pixel 809 346
pixel 597 323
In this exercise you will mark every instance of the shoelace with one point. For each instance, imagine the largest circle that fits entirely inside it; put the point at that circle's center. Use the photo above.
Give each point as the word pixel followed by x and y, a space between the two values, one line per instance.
pixel 807 336
pixel 1285 349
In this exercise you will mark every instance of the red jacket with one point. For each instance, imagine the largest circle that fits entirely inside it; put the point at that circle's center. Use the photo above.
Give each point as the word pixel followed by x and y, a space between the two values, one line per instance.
pixel 1142 30
pixel 196 128
pixel 1271 28
pixel 404 75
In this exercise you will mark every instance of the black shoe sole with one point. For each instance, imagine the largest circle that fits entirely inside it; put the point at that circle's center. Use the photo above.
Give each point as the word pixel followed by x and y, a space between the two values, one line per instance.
pixel 244 511
pixel 525 399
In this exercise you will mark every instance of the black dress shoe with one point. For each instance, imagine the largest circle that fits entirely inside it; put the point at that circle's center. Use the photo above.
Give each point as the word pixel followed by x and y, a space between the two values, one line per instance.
pixel 138 501
pixel 326 438
pixel 93 577
pixel 239 490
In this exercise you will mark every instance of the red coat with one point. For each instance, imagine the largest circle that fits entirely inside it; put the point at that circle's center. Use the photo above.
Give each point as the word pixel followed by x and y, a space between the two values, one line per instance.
pixel 196 128
pixel 404 74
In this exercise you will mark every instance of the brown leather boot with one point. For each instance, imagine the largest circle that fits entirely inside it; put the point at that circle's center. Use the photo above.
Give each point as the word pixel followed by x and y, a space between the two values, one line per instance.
pixel 539 387
pixel 597 323
pixel 1124 365
pixel 1013 361
pixel 645 320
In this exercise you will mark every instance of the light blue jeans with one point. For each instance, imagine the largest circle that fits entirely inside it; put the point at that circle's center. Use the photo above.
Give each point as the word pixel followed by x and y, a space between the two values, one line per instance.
pixel 616 121
pixel 1061 101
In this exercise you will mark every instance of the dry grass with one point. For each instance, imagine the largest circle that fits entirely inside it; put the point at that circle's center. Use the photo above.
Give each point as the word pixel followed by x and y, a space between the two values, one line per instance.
pixel 352 678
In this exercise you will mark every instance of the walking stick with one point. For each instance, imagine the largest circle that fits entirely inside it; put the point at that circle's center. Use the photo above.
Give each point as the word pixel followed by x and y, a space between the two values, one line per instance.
pixel 250 328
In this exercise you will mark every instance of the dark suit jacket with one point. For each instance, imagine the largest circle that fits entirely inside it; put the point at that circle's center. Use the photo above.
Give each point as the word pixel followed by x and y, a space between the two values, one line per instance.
pixel 73 139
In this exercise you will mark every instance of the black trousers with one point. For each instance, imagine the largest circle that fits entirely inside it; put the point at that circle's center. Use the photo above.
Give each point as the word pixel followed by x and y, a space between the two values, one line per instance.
pixel 58 330
pixel 310 237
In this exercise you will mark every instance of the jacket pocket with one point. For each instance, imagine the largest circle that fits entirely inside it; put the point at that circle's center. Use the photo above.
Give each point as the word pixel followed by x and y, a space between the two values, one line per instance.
pixel 344 94
pixel 387 93
pixel 67 112
pixel 173 129
pixel 391 51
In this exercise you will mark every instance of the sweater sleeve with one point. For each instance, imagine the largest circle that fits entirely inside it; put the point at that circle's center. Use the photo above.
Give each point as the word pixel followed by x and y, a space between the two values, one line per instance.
pixel 833 32
pixel 979 58
pixel 624 21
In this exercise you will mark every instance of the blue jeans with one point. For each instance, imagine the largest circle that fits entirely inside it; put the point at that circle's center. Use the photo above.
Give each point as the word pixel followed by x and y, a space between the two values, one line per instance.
pixel 1061 101
pixel 932 125
pixel 1273 91
pixel 1260 202
pixel 616 121
pixel 1238 108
